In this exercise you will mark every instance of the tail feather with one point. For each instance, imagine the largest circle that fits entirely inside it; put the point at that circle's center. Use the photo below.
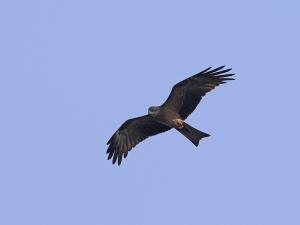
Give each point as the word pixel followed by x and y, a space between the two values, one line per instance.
pixel 192 133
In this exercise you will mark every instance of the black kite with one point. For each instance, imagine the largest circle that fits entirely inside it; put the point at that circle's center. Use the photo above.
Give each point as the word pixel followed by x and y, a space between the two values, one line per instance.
pixel 181 102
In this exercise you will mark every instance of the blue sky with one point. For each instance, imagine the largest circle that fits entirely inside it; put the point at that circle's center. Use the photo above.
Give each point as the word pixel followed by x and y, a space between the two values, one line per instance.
pixel 72 71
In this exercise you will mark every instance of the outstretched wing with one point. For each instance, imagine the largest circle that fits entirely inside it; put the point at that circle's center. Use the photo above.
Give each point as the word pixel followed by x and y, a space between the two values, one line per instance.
pixel 186 95
pixel 132 132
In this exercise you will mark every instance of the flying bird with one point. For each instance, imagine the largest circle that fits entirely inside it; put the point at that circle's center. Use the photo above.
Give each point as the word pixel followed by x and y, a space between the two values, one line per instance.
pixel 182 101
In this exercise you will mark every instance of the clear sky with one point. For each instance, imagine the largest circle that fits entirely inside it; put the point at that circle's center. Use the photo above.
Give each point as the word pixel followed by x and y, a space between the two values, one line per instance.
pixel 71 72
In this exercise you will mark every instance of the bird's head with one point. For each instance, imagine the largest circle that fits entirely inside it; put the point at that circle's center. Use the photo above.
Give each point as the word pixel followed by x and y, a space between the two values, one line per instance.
pixel 153 110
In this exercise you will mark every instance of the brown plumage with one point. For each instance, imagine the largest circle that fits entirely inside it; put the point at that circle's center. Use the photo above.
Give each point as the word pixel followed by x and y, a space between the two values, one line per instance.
pixel 182 101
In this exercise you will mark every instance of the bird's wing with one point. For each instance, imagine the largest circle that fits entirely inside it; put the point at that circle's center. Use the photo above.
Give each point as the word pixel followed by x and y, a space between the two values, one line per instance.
pixel 132 132
pixel 186 95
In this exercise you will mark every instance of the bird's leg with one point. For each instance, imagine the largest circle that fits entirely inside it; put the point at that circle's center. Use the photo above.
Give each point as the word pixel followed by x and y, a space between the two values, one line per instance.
pixel 179 123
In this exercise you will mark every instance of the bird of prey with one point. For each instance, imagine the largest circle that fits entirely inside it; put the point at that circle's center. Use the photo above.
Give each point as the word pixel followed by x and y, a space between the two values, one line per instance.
pixel 181 102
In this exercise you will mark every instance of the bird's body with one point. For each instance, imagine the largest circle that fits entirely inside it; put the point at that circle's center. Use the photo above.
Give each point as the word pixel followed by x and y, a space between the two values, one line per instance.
pixel 181 102
pixel 167 117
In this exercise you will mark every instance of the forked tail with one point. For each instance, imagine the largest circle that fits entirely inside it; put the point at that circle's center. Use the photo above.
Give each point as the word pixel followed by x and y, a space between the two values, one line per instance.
pixel 192 133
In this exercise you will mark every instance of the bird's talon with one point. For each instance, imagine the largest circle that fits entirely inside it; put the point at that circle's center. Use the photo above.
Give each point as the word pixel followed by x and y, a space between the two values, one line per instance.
pixel 179 123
